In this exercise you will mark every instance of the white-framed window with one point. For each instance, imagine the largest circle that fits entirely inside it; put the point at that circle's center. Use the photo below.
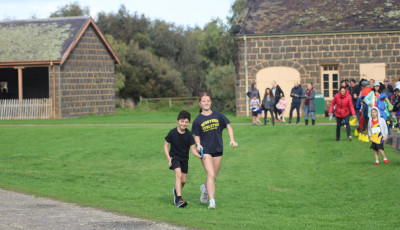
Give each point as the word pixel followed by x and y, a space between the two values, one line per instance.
pixel 330 80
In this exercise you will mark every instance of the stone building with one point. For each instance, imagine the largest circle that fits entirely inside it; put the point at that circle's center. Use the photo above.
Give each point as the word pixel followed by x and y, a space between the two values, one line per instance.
pixel 67 60
pixel 315 41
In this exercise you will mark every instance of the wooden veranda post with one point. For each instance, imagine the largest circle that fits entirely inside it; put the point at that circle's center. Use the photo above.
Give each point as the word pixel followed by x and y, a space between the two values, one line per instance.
pixel 20 88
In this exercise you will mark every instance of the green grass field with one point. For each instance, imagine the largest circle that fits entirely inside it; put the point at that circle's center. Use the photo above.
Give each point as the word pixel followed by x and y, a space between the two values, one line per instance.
pixel 282 177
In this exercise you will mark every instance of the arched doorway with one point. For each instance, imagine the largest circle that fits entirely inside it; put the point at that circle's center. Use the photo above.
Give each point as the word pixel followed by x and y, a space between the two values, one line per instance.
pixel 285 77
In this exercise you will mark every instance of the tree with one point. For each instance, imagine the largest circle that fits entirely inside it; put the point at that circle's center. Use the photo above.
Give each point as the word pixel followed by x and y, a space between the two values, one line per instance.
pixel 221 84
pixel 124 26
pixel 149 76
pixel 69 10
pixel 236 9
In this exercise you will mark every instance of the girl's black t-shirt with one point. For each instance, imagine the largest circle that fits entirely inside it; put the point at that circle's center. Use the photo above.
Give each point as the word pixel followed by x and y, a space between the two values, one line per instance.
pixel 180 144
pixel 209 129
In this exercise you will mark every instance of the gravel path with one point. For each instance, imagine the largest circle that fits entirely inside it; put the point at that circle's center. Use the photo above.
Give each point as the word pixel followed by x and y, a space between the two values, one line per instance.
pixel 20 211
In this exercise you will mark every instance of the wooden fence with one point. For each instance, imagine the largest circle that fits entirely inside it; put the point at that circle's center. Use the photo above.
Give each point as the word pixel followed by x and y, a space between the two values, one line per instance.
pixel 185 100
pixel 14 109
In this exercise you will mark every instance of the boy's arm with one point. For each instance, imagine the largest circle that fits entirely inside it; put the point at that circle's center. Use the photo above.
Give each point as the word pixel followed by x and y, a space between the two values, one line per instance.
pixel 166 152
pixel 194 151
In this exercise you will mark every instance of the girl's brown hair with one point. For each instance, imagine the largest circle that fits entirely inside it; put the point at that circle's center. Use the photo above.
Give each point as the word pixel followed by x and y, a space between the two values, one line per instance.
pixel 270 93
pixel 201 96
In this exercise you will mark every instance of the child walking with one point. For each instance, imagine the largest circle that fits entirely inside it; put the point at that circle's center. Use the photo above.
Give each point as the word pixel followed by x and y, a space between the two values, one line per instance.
pixel 281 106
pixel 378 133
pixel 268 105
pixel 254 105
pixel 207 129
pixel 181 140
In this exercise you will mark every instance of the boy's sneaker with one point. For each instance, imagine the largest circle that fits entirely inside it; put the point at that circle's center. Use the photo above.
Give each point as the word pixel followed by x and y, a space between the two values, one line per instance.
pixel 175 196
pixel 386 161
pixel 204 195
pixel 376 164
pixel 350 138
pixel 181 203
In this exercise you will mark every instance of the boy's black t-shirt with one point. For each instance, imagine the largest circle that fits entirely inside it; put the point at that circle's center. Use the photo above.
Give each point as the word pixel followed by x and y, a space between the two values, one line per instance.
pixel 180 144
pixel 209 129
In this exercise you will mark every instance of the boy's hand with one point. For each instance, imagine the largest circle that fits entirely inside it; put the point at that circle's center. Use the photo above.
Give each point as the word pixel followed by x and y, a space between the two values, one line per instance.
pixel 233 144
pixel 384 139
pixel 170 162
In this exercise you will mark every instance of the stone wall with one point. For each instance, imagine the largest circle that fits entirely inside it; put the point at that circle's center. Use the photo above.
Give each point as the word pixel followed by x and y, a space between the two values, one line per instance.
pixel 307 53
pixel 87 79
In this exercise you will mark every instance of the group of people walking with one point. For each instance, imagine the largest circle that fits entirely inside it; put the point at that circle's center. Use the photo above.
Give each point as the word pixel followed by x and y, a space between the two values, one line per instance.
pixel 274 103
pixel 372 104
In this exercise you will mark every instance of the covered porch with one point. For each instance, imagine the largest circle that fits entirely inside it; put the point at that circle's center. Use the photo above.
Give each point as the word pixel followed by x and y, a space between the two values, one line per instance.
pixel 25 91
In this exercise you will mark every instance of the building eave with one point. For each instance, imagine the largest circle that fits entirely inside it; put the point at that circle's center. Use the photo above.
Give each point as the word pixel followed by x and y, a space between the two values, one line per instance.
pixel 300 34
pixel 13 64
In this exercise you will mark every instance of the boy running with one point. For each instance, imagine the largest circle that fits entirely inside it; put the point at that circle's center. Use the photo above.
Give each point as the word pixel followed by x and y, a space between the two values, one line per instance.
pixel 378 133
pixel 181 141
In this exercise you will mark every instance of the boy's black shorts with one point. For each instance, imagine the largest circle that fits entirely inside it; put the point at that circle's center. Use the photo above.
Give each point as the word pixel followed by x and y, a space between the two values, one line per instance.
pixel 255 113
pixel 376 147
pixel 177 163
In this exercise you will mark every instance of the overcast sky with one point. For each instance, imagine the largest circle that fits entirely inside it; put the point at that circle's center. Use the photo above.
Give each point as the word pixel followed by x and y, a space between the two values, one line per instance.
pixel 180 12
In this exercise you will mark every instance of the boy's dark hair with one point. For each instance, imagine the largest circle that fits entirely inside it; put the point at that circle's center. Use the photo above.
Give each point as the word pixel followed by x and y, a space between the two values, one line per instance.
pixel 254 95
pixel 184 115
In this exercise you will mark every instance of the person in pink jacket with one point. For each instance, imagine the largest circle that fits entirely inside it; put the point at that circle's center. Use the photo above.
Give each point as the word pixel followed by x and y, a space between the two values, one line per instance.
pixel 344 106
pixel 281 108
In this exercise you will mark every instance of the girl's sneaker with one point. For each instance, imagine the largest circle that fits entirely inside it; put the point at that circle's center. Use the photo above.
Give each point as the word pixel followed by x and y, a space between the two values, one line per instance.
pixel 212 204
pixel 386 161
pixel 204 195
pixel 376 164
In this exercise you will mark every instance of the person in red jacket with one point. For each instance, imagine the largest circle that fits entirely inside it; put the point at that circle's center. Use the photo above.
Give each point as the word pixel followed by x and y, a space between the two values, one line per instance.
pixel 344 106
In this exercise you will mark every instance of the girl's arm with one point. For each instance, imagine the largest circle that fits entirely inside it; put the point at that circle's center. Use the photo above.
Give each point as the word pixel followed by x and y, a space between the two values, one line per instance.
pixel 232 143
pixel 368 98
pixel 194 151
pixel 166 152
pixel 197 140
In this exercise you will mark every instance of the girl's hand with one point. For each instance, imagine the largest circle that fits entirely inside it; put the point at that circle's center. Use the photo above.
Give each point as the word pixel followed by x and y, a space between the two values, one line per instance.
pixel 384 139
pixel 170 162
pixel 199 147
pixel 371 105
pixel 233 144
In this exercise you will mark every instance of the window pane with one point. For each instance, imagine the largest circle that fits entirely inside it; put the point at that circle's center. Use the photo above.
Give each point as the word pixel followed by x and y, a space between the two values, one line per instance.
pixel 335 68
pixel 326 77
pixel 335 92
pixel 334 77
pixel 330 68
pixel 325 68
pixel 326 85
pixel 326 93
pixel 335 85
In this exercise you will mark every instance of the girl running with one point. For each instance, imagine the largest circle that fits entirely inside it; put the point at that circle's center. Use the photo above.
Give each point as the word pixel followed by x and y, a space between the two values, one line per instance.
pixel 207 130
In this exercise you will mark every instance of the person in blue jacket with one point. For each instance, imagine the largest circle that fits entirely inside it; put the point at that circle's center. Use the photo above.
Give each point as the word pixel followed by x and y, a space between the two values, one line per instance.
pixel 296 94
